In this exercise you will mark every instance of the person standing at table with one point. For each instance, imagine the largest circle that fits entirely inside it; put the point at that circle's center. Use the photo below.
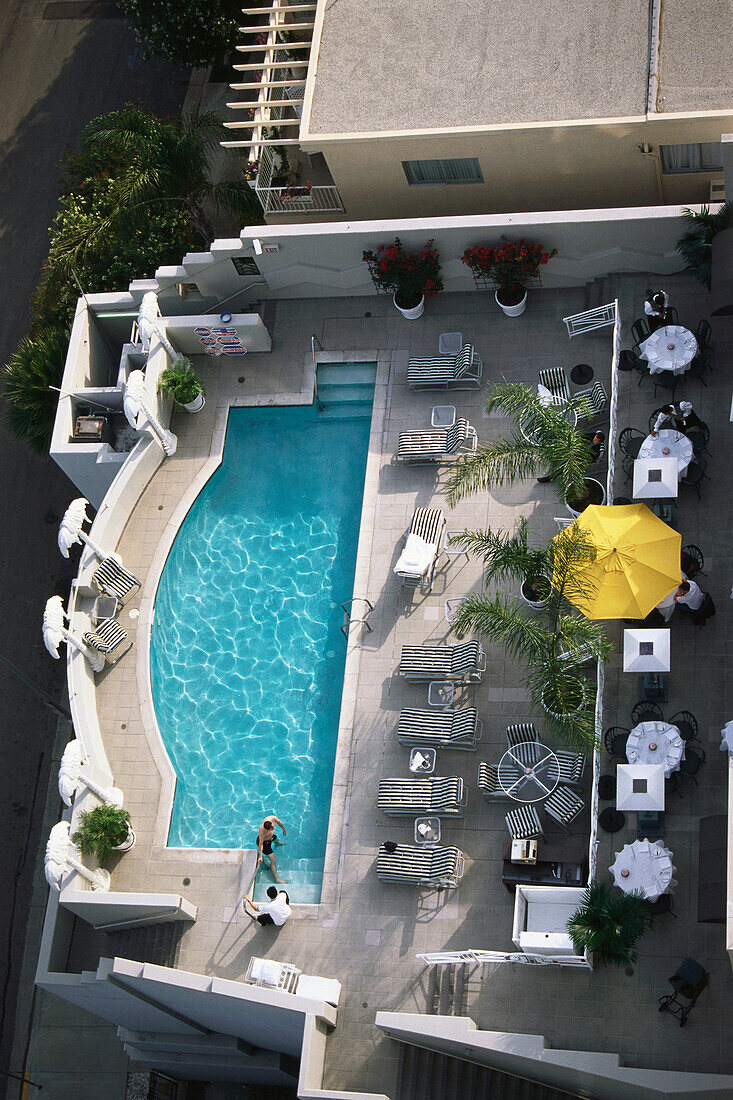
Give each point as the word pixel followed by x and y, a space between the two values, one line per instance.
pixel 656 305
pixel 685 417
pixel 689 596
pixel 664 419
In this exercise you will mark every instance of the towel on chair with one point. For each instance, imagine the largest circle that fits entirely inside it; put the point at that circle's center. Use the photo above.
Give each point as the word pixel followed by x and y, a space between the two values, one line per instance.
pixel 416 556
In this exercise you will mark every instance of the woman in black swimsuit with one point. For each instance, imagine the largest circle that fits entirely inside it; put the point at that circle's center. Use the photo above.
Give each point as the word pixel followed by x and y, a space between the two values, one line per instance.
pixel 265 838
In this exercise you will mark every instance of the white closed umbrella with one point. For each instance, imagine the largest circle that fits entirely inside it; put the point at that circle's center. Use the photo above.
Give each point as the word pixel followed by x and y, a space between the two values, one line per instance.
pixel 71 775
pixel 647 650
pixel 656 478
pixel 135 403
pixel 62 856
pixel 640 787
pixel 72 531
pixel 55 632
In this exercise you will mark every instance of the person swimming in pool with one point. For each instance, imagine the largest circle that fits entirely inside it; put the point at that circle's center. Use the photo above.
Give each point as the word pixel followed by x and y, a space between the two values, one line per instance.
pixel 265 838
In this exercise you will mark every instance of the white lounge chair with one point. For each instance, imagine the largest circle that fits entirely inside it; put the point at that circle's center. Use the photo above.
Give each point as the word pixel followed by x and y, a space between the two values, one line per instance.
pixel 458 662
pixel 437 445
pixel 555 381
pixel 462 371
pixel 410 865
pixel 451 729
pixel 107 638
pixel 431 795
pixel 422 549
pixel 110 578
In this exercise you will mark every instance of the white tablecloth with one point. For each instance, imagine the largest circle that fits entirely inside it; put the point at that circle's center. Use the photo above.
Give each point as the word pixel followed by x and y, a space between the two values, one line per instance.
pixel 661 357
pixel 670 748
pixel 649 866
pixel 676 443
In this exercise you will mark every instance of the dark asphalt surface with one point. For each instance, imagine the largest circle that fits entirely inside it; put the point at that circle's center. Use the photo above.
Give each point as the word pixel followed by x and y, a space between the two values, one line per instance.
pixel 57 71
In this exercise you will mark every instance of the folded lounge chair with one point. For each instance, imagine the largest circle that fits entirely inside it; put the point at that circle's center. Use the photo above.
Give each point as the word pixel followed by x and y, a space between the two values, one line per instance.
pixel 431 795
pixel 458 372
pixel 112 579
pixel 422 549
pixel 488 782
pixel 437 444
pixel 458 662
pixel 106 638
pixel 452 729
pixel 409 865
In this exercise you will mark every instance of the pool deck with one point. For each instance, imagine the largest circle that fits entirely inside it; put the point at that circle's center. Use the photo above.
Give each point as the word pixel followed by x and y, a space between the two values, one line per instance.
pixel 369 936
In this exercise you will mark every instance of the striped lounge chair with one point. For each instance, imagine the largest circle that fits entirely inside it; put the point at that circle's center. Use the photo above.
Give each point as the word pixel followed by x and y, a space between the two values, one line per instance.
pixel 556 381
pixel 458 372
pixel 524 823
pixel 488 782
pixel 431 795
pixel 522 737
pixel 572 766
pixel 410 865
pixel 437 444
pixel 423 547
pixel 458 662
pixel 451 729
pixel 107 638
pixel 112 579
pixel 564 805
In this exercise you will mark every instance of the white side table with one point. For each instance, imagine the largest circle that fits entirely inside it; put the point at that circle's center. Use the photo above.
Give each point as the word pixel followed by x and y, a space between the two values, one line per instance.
pixel 422 761
pixel 450 343
pixel 427 830
pixel 441 693
pixel 443 416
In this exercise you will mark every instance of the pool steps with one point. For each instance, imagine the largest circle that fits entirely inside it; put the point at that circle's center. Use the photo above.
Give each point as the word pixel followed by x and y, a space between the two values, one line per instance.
pixel 346 390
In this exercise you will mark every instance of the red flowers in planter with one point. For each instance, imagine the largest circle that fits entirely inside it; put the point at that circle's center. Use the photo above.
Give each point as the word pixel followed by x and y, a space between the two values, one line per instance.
pixel 510 265
pixel 408 275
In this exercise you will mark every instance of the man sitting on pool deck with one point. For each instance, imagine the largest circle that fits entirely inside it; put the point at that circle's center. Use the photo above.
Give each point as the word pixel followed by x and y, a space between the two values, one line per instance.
pixel 275 911
pixel 265 837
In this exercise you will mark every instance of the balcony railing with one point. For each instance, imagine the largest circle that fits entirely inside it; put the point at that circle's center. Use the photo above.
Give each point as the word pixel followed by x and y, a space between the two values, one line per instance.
pixel 319 200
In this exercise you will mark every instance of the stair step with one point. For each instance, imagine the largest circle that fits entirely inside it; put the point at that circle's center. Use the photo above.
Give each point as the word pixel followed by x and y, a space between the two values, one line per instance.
pixel 432 994
pixel 445 990
pixel 346 374
pixel 338 391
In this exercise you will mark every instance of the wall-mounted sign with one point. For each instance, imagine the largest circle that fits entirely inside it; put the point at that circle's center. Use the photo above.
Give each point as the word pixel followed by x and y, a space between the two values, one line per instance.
pixel 220 340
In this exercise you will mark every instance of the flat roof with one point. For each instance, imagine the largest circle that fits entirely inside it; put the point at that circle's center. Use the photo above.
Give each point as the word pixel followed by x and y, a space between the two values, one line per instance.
pixel 407 66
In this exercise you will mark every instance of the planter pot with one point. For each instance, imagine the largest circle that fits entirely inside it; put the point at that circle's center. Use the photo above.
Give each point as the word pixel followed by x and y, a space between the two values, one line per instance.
pixel 581 703
pixel 127 845
pixel 597 495
pixel 412 313
pixel 196 405
pixel 512 311
pixel 532 593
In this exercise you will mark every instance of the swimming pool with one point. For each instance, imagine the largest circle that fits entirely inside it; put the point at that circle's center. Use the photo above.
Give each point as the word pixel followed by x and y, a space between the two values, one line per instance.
pixel 247 655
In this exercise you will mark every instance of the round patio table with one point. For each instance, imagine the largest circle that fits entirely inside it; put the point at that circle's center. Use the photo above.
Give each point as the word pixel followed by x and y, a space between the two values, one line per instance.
pixel 668 443
pixel 660 356
pixel 656 743
pixel 528 772
pixel 644 866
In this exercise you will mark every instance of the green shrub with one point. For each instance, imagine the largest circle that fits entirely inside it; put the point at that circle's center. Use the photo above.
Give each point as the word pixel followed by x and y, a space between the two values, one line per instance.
pixel 197 32
pixel 181 382
pixel 30 406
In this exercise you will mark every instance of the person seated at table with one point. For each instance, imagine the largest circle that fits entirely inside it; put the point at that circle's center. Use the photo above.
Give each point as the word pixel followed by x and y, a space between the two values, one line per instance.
pixel 656 304
pixel 595 443
pixel 689 596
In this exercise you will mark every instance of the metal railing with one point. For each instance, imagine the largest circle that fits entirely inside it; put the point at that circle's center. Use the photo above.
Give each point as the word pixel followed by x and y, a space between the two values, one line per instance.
pixel 483 958
pixel 318 199
pixel 349 621
pixel 317 399
pixel 591 319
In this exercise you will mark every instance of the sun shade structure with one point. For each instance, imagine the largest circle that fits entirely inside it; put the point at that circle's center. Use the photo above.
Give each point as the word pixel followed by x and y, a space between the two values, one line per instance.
pixel 646 650
pixel 656 478
pixel 640 787
pixel 637 561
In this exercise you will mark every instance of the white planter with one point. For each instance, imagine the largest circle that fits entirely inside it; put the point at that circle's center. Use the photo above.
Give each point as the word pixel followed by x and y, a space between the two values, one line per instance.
pixel 595 482
pixel 196 405
pixel 411 314
pixel 128 844
pixel 536 605
pixel 512 311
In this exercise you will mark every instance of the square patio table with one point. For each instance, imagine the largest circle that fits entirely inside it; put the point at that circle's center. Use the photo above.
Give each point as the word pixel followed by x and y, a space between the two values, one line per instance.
pixel 427 830
pixel 443 416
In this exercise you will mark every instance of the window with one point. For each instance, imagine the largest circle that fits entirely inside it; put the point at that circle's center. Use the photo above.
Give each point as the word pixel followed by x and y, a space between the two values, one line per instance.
pixel 703 157
pixel 465 170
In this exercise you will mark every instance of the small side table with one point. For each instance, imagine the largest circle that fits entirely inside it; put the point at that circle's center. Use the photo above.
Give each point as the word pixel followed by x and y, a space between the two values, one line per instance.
pixel 450 343
pixel 104 607
pixel 581 374
pixel 422 761
pixel 610 820
pixel 441 693
pixel 427 830
pixel 454 548
pixel 451 606
pixel 443 416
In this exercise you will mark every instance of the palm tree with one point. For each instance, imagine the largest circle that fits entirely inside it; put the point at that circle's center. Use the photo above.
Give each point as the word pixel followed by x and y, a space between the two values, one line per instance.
pixel 35 366
pixel 543 440
pixel 553 646
pixel 695 246
pixel 609 924
pixel 160 161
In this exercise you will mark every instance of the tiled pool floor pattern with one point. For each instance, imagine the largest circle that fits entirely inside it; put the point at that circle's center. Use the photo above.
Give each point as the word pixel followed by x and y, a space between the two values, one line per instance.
pixel 371 942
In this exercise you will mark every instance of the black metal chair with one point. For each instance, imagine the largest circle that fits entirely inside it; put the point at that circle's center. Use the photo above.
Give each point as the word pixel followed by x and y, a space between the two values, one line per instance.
pixel 670 316
pixel 704 612
pixel 694 475
pixel 688 982
pixel 615 739
pixel 700 365
pixel 627 360
pixel 663 904
pixel 699 436
pixel 644 711
pixel 703 332
pixel 693 761
pixel 665 380
pixel 673 785
pixel 686 723
pixel 630 441
pixel 692 561
pixel 627 465
pixel 640 330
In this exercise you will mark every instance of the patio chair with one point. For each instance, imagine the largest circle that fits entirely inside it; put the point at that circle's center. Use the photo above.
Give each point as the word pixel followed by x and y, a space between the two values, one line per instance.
pixel 451 729
pixel 110 578
pixel 595 399
pixel 555 380
pixel 413 865
pixel 421 663
pixel 524 823
pixel 430 795
pixel 107 638
pixel 640 330
pixel 699 436
pixel 700 365
pixel 663 904
pixel 458 372
pixel 693 760
pixel 423 547
pixel 692 560
pixel 646 712
pixel 627 465
pixel 521 732
pixel 686 723
pixel 665 380
pixel 630 360
pixel 615 739
pixel 695 474
pixel 630 441
pixel 563 806
pixel 704 612
pixel 572 766
pixel 437 445
pixel 653 418
pixel 703 332
pixel 488 782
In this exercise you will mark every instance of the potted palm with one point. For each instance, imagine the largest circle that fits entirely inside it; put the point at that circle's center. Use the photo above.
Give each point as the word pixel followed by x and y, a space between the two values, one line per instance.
pixel 543 440
pixel 410 276
pixel 180 381
pixel 695 246
pixel 609 924
pixel 103 831
pixel 509 266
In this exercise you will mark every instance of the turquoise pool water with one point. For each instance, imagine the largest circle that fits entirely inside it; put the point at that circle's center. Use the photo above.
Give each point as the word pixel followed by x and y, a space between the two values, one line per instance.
pixel 247 656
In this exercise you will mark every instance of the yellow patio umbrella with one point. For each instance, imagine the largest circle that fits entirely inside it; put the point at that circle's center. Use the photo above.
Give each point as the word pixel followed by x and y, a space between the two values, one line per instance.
pixel 637 561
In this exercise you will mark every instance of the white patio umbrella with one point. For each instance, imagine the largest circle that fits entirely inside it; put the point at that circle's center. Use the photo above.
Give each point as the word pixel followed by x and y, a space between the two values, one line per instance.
pixel 646 650
pixel 135 402
pixel 62 856
pixel 70 776
pixel 640 787
pixel 656 478
pixel 55 632
pixel 71 530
